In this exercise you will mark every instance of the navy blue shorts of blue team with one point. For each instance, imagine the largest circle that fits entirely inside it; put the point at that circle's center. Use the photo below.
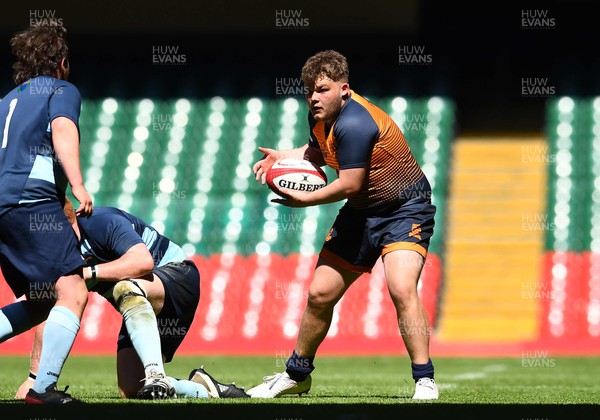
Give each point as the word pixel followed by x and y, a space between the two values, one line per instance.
pixel 37 246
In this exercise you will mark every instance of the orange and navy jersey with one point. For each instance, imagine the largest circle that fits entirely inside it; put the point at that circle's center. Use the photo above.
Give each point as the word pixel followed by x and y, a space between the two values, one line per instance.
pixel 364 136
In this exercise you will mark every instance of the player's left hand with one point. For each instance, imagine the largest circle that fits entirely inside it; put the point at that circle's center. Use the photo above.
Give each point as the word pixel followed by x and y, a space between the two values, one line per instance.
pixel 24 389
pixel 86 206
pixel 261 167
pixel 292 198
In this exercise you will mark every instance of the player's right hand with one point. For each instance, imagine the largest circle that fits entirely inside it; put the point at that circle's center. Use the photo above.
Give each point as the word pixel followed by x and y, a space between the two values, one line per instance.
pixel 86 206
pixel 261 167
pixel 24 389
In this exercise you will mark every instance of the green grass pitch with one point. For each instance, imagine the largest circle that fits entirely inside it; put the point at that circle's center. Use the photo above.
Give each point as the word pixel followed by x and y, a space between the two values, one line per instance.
pixel 361 387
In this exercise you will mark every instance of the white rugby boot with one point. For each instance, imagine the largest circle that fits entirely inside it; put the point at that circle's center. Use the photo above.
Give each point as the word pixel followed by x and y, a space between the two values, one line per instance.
pixel 426 389
pixel 280 384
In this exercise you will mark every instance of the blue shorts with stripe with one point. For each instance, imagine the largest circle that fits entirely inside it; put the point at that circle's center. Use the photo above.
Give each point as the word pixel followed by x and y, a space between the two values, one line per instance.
pixel 358 238
pixel 37 247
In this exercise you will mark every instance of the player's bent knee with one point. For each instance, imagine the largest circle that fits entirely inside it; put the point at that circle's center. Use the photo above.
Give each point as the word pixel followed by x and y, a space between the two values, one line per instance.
pixel 128 294
pixel 321 300
pixel 73 297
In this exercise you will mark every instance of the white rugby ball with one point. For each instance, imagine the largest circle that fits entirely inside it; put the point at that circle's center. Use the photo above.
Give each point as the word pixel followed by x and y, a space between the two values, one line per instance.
pixel 295 174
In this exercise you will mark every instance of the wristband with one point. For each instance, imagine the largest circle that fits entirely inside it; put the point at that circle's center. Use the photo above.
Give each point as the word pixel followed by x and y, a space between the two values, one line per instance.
pixel 94 272
pixel 32 376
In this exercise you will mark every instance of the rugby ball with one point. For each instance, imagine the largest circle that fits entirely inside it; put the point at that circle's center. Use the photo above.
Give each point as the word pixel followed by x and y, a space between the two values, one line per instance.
pixel 295 174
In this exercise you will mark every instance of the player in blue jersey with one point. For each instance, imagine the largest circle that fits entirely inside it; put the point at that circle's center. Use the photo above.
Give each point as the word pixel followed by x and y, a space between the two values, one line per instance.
pixel 39 155
pixel 141 272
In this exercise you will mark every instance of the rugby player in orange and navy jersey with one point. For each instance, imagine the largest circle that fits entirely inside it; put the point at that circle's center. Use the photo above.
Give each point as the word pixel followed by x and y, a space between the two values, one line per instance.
pixel 388 213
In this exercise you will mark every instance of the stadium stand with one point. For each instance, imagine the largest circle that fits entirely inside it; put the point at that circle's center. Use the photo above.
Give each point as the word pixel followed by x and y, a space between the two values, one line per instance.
pixel 571 275
pixel 494 240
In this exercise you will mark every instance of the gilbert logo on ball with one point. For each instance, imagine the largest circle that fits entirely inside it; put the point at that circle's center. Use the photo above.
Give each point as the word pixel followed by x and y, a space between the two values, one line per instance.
pixel 295 174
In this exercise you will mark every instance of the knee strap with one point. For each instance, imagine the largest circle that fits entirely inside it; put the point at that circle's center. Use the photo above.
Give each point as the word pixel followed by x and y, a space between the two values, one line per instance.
pixel 125 289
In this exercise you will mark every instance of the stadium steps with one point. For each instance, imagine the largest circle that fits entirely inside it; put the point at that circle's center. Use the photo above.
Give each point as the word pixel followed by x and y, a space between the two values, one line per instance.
pixel 494 240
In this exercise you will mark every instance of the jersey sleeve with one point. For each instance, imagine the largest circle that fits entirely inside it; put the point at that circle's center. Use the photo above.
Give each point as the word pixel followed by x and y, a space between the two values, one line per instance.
pixel 355 136
pixel 65 101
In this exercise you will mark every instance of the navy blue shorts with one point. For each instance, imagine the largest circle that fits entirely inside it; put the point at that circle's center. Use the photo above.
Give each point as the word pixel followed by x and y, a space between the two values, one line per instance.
pixel 357 239
pixel 37 247
pixel 182 294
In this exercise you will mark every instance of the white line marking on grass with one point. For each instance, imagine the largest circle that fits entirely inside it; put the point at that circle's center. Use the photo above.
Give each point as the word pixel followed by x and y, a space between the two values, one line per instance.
pixel 447 385
pixel 467 376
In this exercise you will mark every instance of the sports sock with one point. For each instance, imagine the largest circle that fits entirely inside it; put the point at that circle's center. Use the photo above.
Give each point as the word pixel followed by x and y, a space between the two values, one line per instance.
pixel 14 319
pixel 140 322
pixel 60 331
pixel 298 367
pixel 188 389
pixel 6 329
pixel 422 371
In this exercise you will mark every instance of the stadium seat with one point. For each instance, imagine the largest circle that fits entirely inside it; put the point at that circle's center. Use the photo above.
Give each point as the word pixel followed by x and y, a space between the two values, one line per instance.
pixel 571 270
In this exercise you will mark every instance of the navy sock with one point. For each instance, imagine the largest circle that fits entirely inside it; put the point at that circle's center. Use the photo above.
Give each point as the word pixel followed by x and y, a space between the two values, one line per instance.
pixel 422 371
pixel 299 367
pixel 14 320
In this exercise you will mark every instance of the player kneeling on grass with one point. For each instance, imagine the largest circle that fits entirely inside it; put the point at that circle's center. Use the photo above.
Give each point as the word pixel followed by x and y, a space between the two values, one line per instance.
pixel 388 214
pixel 142 273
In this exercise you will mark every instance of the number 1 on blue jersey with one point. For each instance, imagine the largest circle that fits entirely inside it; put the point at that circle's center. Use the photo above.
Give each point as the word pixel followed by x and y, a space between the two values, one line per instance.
pixel 11 109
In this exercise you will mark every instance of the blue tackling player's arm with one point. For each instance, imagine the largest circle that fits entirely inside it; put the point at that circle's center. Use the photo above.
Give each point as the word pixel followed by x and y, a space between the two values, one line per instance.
pixel 136 263
pixel 118 253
